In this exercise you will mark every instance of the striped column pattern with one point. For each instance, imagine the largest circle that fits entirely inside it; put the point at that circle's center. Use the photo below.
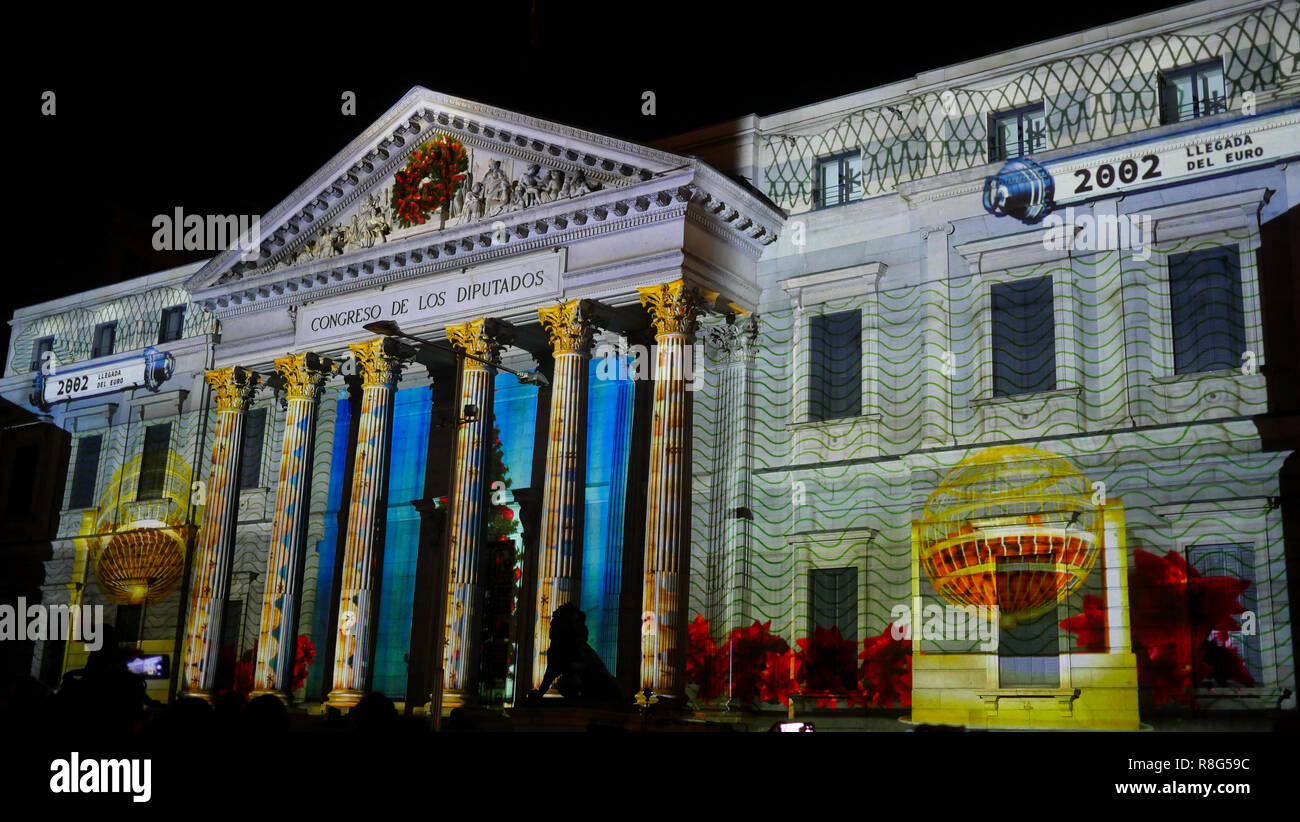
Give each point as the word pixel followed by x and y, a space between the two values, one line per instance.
pixel 736 342
pixel 234 389
pixel 304 376
pixel 480 338
pixel 379 364
pixel 559 577
pixel 673 307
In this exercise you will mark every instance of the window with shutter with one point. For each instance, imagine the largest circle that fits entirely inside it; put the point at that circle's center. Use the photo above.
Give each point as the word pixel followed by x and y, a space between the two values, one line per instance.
pixel 1024 337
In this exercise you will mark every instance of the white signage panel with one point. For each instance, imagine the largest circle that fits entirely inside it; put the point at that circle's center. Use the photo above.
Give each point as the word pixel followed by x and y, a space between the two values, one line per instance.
pixel 475 292
pixel 1229 147
pixel 149 369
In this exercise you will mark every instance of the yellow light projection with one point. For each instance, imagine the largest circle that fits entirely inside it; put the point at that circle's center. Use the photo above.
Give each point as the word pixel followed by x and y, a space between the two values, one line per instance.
pixel 138 546
pixel 1010 527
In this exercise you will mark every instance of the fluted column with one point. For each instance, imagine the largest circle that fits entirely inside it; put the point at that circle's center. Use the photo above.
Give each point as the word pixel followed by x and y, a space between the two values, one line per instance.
pixel 480 338
pixel 304 375
pixel 673 307
pixel 559 576
pixel 234 389
pixel 379 364
pixel 735 341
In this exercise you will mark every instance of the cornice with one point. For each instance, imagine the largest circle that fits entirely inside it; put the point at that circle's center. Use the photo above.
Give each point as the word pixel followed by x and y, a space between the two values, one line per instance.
pixel 600 212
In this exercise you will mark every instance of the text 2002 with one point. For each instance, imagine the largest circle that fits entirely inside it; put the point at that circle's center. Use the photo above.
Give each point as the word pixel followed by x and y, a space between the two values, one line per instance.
pixel 72 385
pixel 1104 175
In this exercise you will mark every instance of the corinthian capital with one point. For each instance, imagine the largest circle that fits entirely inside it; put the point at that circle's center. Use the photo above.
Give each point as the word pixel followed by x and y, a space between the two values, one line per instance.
pixel 379 361
pixel 737 338
pixel 234 387
pixel 673 306
pixel 483 338
pixel 304 374
pixel 569 326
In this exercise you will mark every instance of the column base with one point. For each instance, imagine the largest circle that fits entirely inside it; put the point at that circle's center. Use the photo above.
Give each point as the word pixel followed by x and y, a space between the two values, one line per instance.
pixel 206 696
pixel 344 697
pixel 456 699
pixel 280 695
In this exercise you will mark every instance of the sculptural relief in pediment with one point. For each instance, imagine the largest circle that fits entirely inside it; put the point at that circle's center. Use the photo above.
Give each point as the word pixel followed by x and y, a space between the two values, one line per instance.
pixel 492 186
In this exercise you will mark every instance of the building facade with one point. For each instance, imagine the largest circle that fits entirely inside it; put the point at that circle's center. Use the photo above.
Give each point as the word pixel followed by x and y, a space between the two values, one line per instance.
pixel 946 396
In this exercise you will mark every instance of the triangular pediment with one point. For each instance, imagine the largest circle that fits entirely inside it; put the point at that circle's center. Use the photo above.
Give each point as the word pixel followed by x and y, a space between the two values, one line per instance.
pixel 516 163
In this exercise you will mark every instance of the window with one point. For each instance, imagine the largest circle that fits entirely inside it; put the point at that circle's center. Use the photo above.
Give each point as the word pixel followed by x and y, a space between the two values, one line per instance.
pixel 128 625
pixel 104 335
pixel 250 467
pixel 1028 651
pixel 173 321
pixel 153 463
pixel 43 346
pixel 1205 307
pixel 1024 337
pixel 838 180
pixel 835 376
pixel 1017 132
pixel 833 604
pixel 1195 91
pixel 85 471
pixel 1238 562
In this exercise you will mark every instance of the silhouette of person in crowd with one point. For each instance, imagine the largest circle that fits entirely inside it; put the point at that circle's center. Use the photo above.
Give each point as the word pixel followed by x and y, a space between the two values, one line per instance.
pixel 103 697
pixel 572 665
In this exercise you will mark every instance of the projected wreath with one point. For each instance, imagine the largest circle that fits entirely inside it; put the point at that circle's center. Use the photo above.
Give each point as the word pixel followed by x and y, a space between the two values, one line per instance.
pixel 432 174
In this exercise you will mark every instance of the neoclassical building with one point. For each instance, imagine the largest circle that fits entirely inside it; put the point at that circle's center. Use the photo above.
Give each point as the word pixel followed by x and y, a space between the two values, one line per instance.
pixel 958 396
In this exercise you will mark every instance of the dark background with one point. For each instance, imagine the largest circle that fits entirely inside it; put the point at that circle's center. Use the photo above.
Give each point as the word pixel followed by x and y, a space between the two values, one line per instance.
pixel 228 114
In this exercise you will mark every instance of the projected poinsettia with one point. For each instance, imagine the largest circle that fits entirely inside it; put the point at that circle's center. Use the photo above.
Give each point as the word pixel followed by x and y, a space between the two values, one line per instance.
pixel 1180 621
pixel 760 666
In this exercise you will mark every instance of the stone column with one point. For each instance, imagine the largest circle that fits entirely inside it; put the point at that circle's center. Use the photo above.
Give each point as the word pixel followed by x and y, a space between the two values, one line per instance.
pixel 673 307
pixel 304 376
pixel 736 343
pixel 559 573
pixel 234 388
pixel 483 338
pixel 379 364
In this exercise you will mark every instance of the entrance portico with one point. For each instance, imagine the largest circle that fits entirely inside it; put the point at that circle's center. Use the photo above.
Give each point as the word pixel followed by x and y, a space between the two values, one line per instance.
pixel 618 239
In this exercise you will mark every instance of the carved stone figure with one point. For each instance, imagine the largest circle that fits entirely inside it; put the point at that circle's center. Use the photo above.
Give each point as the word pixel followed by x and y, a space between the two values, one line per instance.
pixel 532 183
pixel 516 200
pixel 554 187
pixel 496 188
pixel 578 185
pixel 462 192
pixel 475 204
pixel 374 226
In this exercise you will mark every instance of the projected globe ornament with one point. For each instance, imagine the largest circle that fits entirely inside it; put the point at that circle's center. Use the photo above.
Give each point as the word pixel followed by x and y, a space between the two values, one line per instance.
pixel 137 546
pixel 1010 527
pixel 1021 189
pixel 142 565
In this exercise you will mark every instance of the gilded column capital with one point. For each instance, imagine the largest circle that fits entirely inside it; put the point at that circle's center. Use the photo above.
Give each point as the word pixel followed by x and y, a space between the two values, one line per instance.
pixel 569 326
pixel 235 387
pixel 674 306
pixel 304 374
pixel 483 338
pixel 379 361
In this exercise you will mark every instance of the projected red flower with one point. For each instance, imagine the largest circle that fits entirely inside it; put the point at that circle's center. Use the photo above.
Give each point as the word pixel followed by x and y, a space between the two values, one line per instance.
pixel 761 667
pixel 1180 621
pixel 886 672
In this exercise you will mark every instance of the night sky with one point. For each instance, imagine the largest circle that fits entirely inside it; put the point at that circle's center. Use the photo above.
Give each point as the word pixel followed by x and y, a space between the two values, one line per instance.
pixel 229 115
